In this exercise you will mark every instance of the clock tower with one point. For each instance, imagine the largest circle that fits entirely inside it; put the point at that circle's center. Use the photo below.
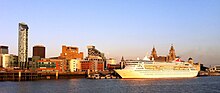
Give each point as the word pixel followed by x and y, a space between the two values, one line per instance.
pixel 172 54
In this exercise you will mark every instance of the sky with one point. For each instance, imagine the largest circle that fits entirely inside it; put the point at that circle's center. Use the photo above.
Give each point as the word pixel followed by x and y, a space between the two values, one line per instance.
pixel 128 28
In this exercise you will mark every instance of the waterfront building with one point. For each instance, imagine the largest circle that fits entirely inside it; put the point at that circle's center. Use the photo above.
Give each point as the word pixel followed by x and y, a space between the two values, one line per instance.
pixel 23 46
pixel 156 58
pixel 8 60
pixel 33 62
pixel 153 54
pixel 3 49
pixel 91 65
pixel 39 50
pixel 97 63
pixel 111 61
pixel 86 65
pixel 203 68
pixel 171 56
pixel 161 59
pixel 69 53
pixel 215 68
pixel 52 65
pixel 95 55
pixel 38 53
pixel 92 51
pixel 74 65
pixel 112 64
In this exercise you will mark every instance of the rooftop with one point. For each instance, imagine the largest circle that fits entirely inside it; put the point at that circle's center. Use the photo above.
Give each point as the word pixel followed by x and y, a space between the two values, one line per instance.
pixel 3 46
pixel 22 23
pixel 38 46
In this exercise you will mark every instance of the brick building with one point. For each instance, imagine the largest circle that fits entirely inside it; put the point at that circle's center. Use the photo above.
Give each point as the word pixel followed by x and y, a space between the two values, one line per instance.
pixel 95 61
pixel 91 65
pixel 39 50
pixel 95 55
pixel 52 65
pixel 69 53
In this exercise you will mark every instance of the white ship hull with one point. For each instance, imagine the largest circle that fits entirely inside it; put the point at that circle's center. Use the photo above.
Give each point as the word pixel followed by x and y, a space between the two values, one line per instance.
pixel 125 73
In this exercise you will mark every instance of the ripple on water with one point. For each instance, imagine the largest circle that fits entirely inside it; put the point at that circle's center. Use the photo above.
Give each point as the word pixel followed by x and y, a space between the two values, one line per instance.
pixel 187 85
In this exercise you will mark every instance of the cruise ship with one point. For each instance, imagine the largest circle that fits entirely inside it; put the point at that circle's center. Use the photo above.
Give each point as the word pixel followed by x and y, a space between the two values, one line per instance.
pixel 150 69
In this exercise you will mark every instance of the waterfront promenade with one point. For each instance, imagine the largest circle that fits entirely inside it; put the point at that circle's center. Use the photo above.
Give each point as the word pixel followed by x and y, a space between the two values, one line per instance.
pixel 33 76
pixel 30 76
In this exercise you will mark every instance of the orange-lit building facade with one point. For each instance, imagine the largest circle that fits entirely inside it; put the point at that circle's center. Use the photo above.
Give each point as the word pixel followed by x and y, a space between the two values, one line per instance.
pixel 91 65
pixel 69 52
pixel 95 61
pixel 52 65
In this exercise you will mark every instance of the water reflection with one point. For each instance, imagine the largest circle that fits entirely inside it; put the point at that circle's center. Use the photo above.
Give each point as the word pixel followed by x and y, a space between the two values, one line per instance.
pixel 196 85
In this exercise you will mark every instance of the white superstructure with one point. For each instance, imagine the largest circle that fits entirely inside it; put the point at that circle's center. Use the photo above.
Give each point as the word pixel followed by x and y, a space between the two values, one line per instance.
pixel 149 69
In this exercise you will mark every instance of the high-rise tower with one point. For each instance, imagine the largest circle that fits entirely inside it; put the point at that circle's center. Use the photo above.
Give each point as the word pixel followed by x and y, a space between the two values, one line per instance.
pixel 23 45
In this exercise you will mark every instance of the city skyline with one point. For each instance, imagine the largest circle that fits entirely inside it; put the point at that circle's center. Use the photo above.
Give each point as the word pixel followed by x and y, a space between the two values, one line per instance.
pixel 117 28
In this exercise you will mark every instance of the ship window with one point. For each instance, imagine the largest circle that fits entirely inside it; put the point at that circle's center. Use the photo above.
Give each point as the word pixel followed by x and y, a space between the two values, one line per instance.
pixel 193 69
pixel 139 68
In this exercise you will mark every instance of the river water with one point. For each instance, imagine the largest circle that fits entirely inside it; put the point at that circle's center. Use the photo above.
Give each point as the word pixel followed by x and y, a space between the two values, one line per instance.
pixel 184 85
